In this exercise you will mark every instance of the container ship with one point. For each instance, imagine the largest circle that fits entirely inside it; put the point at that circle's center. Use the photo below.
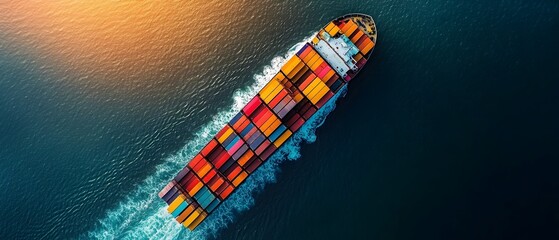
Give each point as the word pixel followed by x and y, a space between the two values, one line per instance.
pixel 306 82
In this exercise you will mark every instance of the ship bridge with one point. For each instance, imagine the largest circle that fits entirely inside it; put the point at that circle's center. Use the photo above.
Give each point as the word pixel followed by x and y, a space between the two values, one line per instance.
pixel 337 51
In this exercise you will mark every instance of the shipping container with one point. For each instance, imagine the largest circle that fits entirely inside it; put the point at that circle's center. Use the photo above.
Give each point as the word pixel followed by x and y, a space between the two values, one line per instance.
pixel 192 217
pixel 180 199
pixel 179 209
pixel 167 187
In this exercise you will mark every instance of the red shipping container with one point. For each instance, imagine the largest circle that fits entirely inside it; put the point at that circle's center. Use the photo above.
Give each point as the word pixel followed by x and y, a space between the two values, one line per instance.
pixel 307 82
pixel 341 25
pixel 215 185
pixel 361 40
pixel 252 105
pixel 262 118
pixel 258 111
pixel 227 192
pixel 324 71
pixel 278 98
pixel 215 153
pixel 260 149
pixel 236 169
pixel 243 126
pixel 309 113
pixel 199 166
pixel 297 125
pixel 208 148
pixel 324 99
pixel 187 179
pixel 221 159
pixel 305 108
pixel 209 176
pixel 332 80
pixel 253 165
pixel 221 188
pixel 306 52
pixel 268 152
pixel 293 119
pixel 250 133
pixel 191 183
pixel 195 161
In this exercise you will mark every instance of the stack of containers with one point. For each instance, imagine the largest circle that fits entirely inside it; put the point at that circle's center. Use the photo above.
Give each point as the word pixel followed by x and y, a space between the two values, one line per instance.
pixel 357 36
pixel 302 86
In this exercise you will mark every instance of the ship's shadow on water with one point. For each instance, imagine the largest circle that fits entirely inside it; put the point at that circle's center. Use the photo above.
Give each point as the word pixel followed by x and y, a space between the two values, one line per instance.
pixel 143 215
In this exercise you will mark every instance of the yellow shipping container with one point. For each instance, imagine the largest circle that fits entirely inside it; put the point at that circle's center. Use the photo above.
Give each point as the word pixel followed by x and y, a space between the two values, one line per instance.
pixel 296 70
pixel 292 63
pixel 329 27
pixel 225 135
pixel 180 198
pixel 272 127
pixel 334 30
pixel 198 220
pixel 282 138
pixel 311 86
pixel 315 40
pixel 314 59
pixel 273 94
pixel 279 77
pixel 358 57
pixel 319 95
pixel 269 88
pixel 192 217
pixel 317 89
pixel 317 63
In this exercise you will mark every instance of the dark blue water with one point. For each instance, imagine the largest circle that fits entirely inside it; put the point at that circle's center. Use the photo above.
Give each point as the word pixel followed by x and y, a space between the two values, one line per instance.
pixel 450 132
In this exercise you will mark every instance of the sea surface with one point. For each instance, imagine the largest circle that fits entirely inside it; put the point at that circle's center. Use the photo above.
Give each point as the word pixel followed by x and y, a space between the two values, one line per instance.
pixel 450 132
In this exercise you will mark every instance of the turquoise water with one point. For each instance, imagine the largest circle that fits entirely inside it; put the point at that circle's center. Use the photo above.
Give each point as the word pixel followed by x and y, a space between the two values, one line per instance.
pixel 450 132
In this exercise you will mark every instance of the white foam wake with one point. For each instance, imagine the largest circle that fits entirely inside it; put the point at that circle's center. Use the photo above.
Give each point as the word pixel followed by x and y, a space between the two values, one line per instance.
pixel 142 215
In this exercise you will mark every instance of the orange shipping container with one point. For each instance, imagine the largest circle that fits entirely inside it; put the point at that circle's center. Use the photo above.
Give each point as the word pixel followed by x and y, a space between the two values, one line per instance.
pixel 195 189
pixel 357 35
pixel 185 213
pixel 242 176
pixel 245 157
pixel 282 138
pixel 368 48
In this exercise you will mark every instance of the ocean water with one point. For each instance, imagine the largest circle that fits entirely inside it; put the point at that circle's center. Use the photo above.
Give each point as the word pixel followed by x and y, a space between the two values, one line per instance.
pixel 450 132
